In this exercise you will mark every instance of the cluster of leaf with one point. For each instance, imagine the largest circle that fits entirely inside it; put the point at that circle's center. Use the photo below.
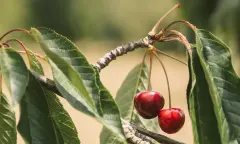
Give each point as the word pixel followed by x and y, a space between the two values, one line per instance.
pixel 212 94
pixel 43 118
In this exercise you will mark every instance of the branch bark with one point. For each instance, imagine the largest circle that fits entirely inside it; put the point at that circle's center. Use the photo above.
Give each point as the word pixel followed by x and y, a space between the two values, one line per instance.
pixel 157 137
pixel 50 85
pixel 121 50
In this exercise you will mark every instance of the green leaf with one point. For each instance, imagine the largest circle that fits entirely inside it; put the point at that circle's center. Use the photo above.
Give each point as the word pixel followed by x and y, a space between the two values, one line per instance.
pixel 221 83
pixel 34 63
pixel 62 120
pixel 15 73
pixel 58 120
pixel 68 85
pixel 204 121
pixel 8 133
pixel 35 124
pixel 78 81
pixel 135 82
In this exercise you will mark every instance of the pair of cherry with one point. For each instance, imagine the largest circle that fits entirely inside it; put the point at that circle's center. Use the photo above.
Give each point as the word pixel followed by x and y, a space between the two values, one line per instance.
pixel 149 104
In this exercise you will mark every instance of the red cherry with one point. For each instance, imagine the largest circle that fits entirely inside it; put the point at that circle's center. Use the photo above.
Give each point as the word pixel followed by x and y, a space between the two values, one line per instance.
pixel 171 120
pixel 148 104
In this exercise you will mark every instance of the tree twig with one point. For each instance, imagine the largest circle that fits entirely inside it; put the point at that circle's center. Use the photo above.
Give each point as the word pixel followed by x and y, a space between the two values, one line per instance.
pixel 47 83
pixel 157 137
pixel 121 50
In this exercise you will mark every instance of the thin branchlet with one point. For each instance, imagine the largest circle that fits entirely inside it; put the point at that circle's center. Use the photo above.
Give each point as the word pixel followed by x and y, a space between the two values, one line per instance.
pixel 178 21
pixel 45 82
pixel 132 135
pixel 154 30
pixel 121 50
pixel 22 45
pixel 157 137
pixel 6 45
pixel 14 30
pixel 146 42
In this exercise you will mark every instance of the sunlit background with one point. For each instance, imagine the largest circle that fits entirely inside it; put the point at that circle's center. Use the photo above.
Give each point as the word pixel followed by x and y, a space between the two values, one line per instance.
pixel 98 26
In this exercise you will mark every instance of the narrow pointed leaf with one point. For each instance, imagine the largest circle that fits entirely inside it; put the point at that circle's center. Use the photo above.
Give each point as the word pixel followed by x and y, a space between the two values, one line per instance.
pixel 222 83
pixel 15 73
pixel 35 124
pixel 78 81
pixel 110 111
pixel 35 64
pixel 135 82
pixel 61 119
pixel 204 121
pixel 53 47
pixel 67 83
pixel 8 133
pixel 61 123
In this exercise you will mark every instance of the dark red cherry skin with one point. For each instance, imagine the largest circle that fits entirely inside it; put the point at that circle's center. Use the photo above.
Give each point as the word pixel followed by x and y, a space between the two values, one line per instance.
pixel 148 104
pixel 171 120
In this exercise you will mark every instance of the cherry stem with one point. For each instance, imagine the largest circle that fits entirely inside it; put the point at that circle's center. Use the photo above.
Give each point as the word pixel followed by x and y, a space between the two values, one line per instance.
pixel 170 56
pixel 5 44
pixel 181 38
pixel 14 30
pixel 166 75
pixel 23 46
pixel 35 54
pixel 178 21
pixel 150 70
pixel 156 27
pixel 170 39
pixel 138 79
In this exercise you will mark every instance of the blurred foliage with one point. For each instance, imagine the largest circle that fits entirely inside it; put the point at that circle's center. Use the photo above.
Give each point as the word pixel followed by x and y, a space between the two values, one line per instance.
pixel 86 19
pixel 226 20
pixel 199 13
pixel 121 21
pixel 53 14
pixel 218 16
pixel 12 14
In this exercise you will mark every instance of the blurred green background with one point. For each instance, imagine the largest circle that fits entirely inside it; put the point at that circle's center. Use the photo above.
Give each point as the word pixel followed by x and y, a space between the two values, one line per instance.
pixel 85 19
pixel 97 26
pixel 120 21
pixel 123 20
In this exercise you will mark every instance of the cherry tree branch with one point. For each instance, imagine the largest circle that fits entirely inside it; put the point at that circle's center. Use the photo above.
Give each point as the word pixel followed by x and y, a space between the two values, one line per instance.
pixel 133 133
pixel 50 85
